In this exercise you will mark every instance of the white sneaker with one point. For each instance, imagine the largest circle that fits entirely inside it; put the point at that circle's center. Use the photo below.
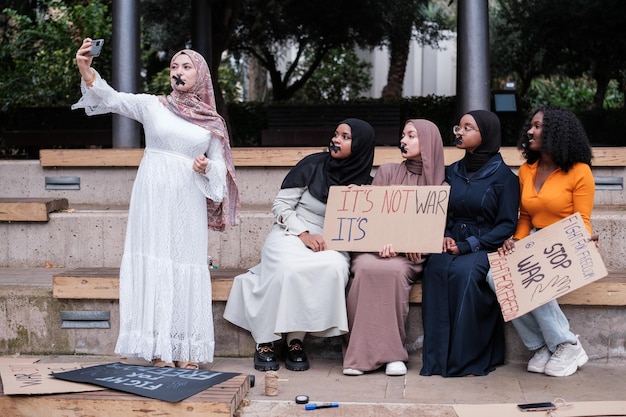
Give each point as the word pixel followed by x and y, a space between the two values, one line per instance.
pixel 539 360
pixel 396 368
pixel 566 360
pixel 352 372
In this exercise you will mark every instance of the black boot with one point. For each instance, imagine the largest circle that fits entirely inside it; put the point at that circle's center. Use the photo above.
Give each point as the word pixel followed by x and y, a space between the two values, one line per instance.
pixel 296 358
pixel 265 358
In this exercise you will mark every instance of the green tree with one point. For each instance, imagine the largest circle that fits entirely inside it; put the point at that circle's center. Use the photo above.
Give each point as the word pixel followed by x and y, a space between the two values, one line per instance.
pixel 341 76
pixel 402 21
pixel 167 29
pixel 269 30
pixel 574 38
pixel 37 64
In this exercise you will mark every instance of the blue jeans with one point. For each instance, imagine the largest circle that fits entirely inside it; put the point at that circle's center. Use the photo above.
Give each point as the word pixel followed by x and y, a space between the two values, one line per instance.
pixel 545 325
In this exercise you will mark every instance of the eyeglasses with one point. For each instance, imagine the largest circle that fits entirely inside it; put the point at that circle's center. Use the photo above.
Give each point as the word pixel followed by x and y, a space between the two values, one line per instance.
pixel 458 130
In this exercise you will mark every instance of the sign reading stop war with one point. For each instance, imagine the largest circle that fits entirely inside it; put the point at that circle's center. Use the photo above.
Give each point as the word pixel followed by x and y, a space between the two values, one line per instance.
pixel 364 218
pixel 547 264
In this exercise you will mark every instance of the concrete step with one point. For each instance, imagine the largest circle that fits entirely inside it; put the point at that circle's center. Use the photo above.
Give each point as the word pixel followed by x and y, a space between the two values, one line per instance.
pixel 258 181
pixel 94 237
pixel 33 323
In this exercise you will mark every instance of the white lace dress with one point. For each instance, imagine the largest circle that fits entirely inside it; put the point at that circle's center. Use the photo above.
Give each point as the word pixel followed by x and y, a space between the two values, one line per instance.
pixel 165 285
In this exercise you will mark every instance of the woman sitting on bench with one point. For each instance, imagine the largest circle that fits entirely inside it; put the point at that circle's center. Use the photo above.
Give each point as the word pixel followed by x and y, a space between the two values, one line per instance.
pixel 299 286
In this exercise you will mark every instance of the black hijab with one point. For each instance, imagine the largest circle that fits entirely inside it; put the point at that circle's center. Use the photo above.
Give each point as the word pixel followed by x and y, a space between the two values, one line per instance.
pixel 320 171
pixel 491 135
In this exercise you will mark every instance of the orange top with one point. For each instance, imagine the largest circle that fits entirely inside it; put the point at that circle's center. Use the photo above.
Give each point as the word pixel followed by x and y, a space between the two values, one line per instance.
pixel 561 195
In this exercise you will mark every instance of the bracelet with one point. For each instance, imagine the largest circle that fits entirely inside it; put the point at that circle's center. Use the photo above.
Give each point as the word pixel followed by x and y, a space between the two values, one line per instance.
pixel 92 78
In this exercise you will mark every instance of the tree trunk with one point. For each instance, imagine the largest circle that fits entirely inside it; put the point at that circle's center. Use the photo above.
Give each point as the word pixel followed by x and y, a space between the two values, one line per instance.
pixel 398 57
pixel 602 85
pixel 257 80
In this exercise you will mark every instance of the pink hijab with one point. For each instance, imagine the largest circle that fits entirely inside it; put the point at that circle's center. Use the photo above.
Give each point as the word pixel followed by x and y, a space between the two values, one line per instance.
pixel 429 170
pixel 198 107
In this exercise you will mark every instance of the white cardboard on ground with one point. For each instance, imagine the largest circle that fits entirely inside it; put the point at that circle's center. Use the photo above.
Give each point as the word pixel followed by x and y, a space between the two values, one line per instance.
pixel 19 378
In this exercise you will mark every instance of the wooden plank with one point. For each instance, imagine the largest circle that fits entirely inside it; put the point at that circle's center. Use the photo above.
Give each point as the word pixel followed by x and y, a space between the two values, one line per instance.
pixel 30 209
pixel 219 400
pixel 131 157
pixel 608 291
pixel 284 157
pixel 126 157
pixel 103 283
pixel 87 288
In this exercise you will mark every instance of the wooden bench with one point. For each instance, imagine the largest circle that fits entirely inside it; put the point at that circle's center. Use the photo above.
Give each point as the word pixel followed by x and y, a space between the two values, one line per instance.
pixel 313 124
pixel 30 209
pixel 288 157
pixel 103 283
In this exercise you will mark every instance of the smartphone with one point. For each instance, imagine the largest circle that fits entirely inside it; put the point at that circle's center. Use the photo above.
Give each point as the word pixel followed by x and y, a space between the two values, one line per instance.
pixel 546 406
pixel 96 47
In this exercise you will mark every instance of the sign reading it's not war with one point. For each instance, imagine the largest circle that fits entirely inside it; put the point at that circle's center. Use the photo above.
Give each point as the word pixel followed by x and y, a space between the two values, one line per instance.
pixel 547 264
pixel 364 218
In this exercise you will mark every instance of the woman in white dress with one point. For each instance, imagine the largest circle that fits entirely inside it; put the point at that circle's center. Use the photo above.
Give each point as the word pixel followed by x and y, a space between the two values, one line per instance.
pixel 185 184
pixel 299 286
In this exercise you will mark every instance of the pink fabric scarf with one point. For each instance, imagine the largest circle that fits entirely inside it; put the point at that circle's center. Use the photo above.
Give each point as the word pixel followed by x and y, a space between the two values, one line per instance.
pixel 198 107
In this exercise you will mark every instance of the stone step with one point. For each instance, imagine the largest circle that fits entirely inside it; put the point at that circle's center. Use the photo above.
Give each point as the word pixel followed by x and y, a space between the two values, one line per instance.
pixel 33 319
pixel 95 238
pixel 106 175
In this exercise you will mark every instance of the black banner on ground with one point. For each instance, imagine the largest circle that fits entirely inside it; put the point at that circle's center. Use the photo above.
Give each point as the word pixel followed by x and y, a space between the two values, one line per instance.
pixel 167 384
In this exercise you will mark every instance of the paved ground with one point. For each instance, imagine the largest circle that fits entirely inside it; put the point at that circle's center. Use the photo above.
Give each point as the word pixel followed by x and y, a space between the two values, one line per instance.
pixel 374 394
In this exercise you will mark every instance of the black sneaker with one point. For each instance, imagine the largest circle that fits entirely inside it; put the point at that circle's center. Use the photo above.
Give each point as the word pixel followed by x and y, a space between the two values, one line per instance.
pixel 296 358
pixel 265 358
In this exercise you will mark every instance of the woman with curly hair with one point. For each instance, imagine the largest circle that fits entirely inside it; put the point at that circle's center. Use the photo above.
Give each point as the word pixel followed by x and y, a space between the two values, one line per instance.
pixel 555 182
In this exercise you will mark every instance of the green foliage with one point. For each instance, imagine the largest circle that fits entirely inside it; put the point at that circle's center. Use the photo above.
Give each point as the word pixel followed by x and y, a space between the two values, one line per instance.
pixel 614 98
pixel 571 38
pixel 442 12
pixel 560 91
pixel 270 30
pixel 37 66
pixel 571 93
pixel 160 83
pixel 229 79
pixel 341 76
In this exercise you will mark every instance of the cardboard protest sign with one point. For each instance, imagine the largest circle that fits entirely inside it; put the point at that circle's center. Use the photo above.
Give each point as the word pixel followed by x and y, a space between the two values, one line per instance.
pixel 547 264
pixel 7 360
pixel 167 384
pixel 35 378
pixel 364 218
